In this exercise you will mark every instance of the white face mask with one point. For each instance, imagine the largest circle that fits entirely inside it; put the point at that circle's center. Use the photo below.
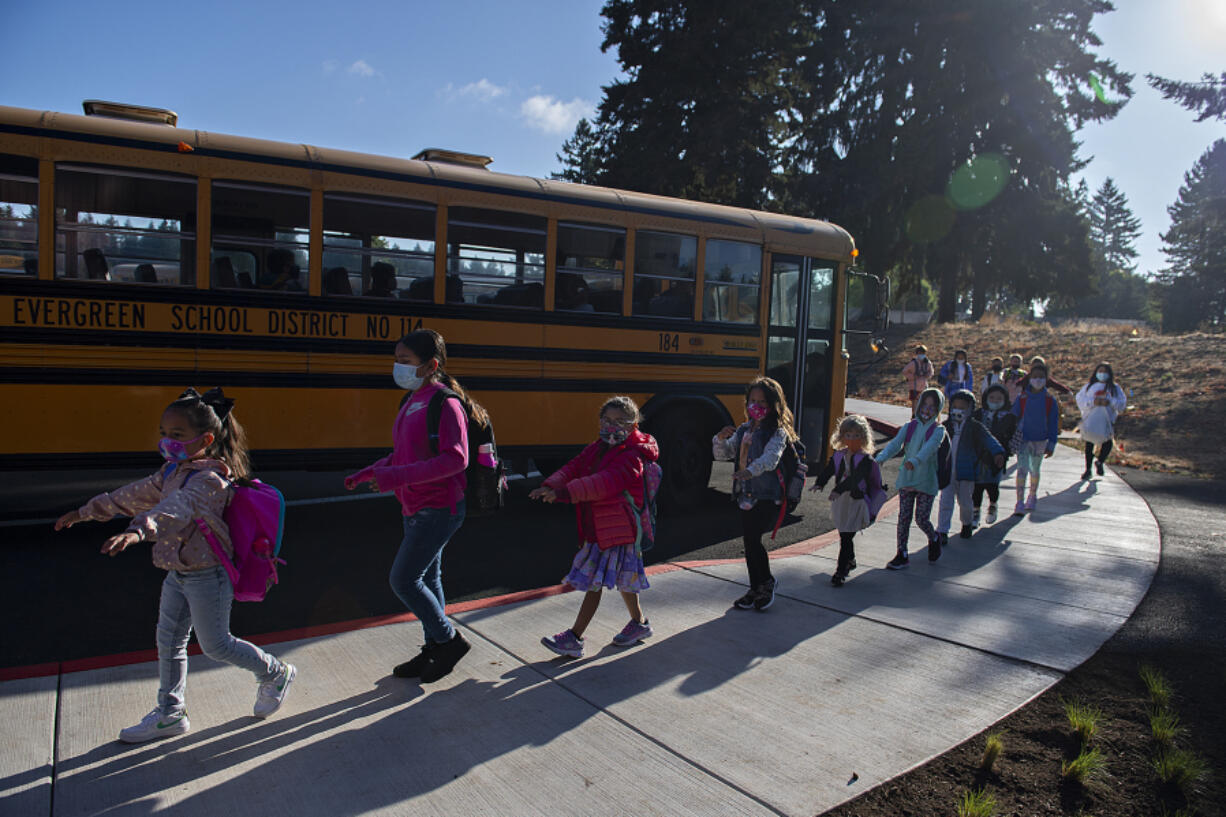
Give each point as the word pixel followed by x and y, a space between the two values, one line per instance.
pixel 957 415
pixel 1102 376
pixel 1037 383
pixel 406 376
pixel 996 405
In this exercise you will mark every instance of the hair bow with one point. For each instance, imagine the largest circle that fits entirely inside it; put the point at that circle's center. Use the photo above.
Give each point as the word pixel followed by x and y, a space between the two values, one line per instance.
pixel 216 399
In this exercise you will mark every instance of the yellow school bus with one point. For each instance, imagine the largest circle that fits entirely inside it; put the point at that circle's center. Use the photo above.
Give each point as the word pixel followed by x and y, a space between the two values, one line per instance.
pixel 138 257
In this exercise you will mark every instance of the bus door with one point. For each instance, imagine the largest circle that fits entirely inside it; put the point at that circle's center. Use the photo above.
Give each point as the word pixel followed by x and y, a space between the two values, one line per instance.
pixel 800 343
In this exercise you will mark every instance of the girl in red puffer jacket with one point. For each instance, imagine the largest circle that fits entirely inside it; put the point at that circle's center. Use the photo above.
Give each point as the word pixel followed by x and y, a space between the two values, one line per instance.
pixel 595 481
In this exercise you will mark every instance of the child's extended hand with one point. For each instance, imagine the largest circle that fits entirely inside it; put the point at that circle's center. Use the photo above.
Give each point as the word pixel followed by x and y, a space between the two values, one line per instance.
pixel 744 473
pixel 544 493
pixel 1049 454
pixel 817 488
pixel 363 477
pixel 68 520
pixel 726 432
pixel 117 543
pixel 910 466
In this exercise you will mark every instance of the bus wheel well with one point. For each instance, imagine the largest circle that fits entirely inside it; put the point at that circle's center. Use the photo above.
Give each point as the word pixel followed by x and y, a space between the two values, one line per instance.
pixel 683 428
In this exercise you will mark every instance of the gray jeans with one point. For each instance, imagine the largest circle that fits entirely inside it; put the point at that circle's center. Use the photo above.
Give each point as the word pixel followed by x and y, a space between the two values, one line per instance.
pixel 200 601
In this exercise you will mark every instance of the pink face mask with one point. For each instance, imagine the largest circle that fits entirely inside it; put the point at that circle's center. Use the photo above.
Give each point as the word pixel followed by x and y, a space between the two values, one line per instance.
pixel 175 450
pixel 757 411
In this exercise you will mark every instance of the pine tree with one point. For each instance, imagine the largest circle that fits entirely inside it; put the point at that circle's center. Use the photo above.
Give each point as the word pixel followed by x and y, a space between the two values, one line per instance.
pixel 1207 97
pixel 580 156
pixel 1113 228
pixel 1196 246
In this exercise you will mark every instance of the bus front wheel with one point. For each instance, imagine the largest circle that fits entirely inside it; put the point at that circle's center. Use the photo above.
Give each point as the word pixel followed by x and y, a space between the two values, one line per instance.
pixel 685 456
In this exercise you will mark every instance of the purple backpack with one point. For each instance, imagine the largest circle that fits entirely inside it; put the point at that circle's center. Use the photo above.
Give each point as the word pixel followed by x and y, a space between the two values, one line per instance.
pixel 255 516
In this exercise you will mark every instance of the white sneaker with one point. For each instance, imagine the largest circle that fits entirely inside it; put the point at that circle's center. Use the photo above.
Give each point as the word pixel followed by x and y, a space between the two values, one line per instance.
pixel 975 519
pixel 991 517
pixel 154 727
pixel 271 694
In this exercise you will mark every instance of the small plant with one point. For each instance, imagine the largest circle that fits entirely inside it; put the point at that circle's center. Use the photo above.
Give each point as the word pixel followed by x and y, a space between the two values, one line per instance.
pixel 991 751
pixel 1084 767
pixel 1164 726
pixel 1083 718
pixel 1179 767
pixel 1156 683
pixel 981 803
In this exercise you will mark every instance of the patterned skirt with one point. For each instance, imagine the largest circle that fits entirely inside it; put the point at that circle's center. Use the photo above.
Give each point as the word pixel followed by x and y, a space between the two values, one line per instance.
pixel 619 568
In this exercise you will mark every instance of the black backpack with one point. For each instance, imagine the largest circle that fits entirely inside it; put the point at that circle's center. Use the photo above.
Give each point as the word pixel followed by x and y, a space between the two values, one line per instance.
pixel 792 470
pixel 487 484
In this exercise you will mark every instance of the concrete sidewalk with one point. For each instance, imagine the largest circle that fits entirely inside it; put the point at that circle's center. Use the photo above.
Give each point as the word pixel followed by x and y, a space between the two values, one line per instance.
pixel 791 711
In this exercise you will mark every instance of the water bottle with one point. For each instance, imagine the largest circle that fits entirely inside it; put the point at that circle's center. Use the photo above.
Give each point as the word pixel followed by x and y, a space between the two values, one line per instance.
pixel 485 455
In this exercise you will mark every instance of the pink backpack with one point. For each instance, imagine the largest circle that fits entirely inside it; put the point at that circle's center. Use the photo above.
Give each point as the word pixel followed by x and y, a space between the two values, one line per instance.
pixel 255 516
pixel 645 517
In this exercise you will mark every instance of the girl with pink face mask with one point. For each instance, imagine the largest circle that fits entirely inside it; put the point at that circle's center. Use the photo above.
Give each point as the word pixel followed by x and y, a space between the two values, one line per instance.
pixel 756 447
pixel 205 450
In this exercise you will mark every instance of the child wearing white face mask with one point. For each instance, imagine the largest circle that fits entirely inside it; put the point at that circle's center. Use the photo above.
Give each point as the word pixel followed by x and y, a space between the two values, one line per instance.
pixel 1038 420
pixel 427 475
pixel 998 419
pixel 1101 401
pixel 972 446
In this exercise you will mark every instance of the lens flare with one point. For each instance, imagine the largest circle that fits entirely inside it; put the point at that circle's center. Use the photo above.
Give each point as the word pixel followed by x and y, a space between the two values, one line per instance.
pixel 977 182
pixel 930 219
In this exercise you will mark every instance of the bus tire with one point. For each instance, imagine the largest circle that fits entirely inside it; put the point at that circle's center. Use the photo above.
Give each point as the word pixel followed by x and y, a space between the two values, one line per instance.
pixel 685 456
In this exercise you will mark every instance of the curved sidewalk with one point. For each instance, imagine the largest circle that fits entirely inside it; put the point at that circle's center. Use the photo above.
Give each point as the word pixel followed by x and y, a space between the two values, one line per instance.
pixel 792 711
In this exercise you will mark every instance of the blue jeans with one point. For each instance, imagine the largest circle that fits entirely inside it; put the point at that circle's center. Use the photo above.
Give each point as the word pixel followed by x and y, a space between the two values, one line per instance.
pixel 417 572
pixel 200 601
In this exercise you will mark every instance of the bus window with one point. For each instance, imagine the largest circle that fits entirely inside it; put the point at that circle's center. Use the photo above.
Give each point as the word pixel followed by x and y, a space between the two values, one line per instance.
pixel 664 269
pixel 378 248
pixel 267 225
pixel 733 271
pixel 821 295
pixel 496 257
pixel 18 215
pixel 121 225
pixel 590 262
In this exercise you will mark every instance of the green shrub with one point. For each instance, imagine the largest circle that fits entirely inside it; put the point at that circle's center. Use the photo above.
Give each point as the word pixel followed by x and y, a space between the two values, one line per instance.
pixel 1084 719
pixel 1164 726
pixel 991 751
pixel 1156 683
pixel 1179 767
pixel 1086 766
pixel 981 803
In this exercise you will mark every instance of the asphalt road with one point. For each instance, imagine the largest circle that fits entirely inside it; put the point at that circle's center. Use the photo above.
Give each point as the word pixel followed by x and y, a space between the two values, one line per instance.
pixel 67 601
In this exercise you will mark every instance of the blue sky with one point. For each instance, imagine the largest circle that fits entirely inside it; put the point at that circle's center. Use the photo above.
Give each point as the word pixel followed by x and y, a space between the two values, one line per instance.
pixel 508 79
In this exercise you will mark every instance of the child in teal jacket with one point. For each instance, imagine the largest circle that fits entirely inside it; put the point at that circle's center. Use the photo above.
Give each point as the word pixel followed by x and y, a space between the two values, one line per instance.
pixel 919 441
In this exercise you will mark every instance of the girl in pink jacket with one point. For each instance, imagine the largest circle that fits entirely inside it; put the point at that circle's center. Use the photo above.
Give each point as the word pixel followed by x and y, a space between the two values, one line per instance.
pixel 205 450
pixel 427 475
pixel 595 481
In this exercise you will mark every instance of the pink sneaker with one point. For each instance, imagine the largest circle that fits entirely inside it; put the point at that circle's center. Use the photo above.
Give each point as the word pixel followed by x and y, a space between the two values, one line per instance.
pixel 1030 502
pixel 1019 509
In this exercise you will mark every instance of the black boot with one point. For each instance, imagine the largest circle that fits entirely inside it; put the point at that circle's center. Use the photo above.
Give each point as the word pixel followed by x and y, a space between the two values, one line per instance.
pixel 413 667
pixel 966 532
pixel 444 657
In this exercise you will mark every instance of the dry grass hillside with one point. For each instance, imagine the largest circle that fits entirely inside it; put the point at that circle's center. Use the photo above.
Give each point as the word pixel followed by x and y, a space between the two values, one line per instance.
pixel 1176 420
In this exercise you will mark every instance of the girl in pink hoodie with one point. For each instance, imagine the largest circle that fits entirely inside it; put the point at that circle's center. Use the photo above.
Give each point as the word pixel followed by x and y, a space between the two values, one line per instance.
pixel 596 482
pixel 427 476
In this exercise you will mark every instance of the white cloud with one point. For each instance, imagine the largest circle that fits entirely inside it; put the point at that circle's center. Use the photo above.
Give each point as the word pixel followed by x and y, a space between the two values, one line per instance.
pixel 550 115
pixel 362 68
pixel 482 90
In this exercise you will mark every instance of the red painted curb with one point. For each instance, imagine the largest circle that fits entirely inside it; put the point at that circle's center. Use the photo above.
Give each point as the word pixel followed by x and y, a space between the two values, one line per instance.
pixel 804 547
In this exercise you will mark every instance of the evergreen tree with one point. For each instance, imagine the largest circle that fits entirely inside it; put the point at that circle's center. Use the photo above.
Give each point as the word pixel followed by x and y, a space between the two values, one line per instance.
pixel 1195 281
pixel 580 156
pixel 1207 97
pixel 1113 228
